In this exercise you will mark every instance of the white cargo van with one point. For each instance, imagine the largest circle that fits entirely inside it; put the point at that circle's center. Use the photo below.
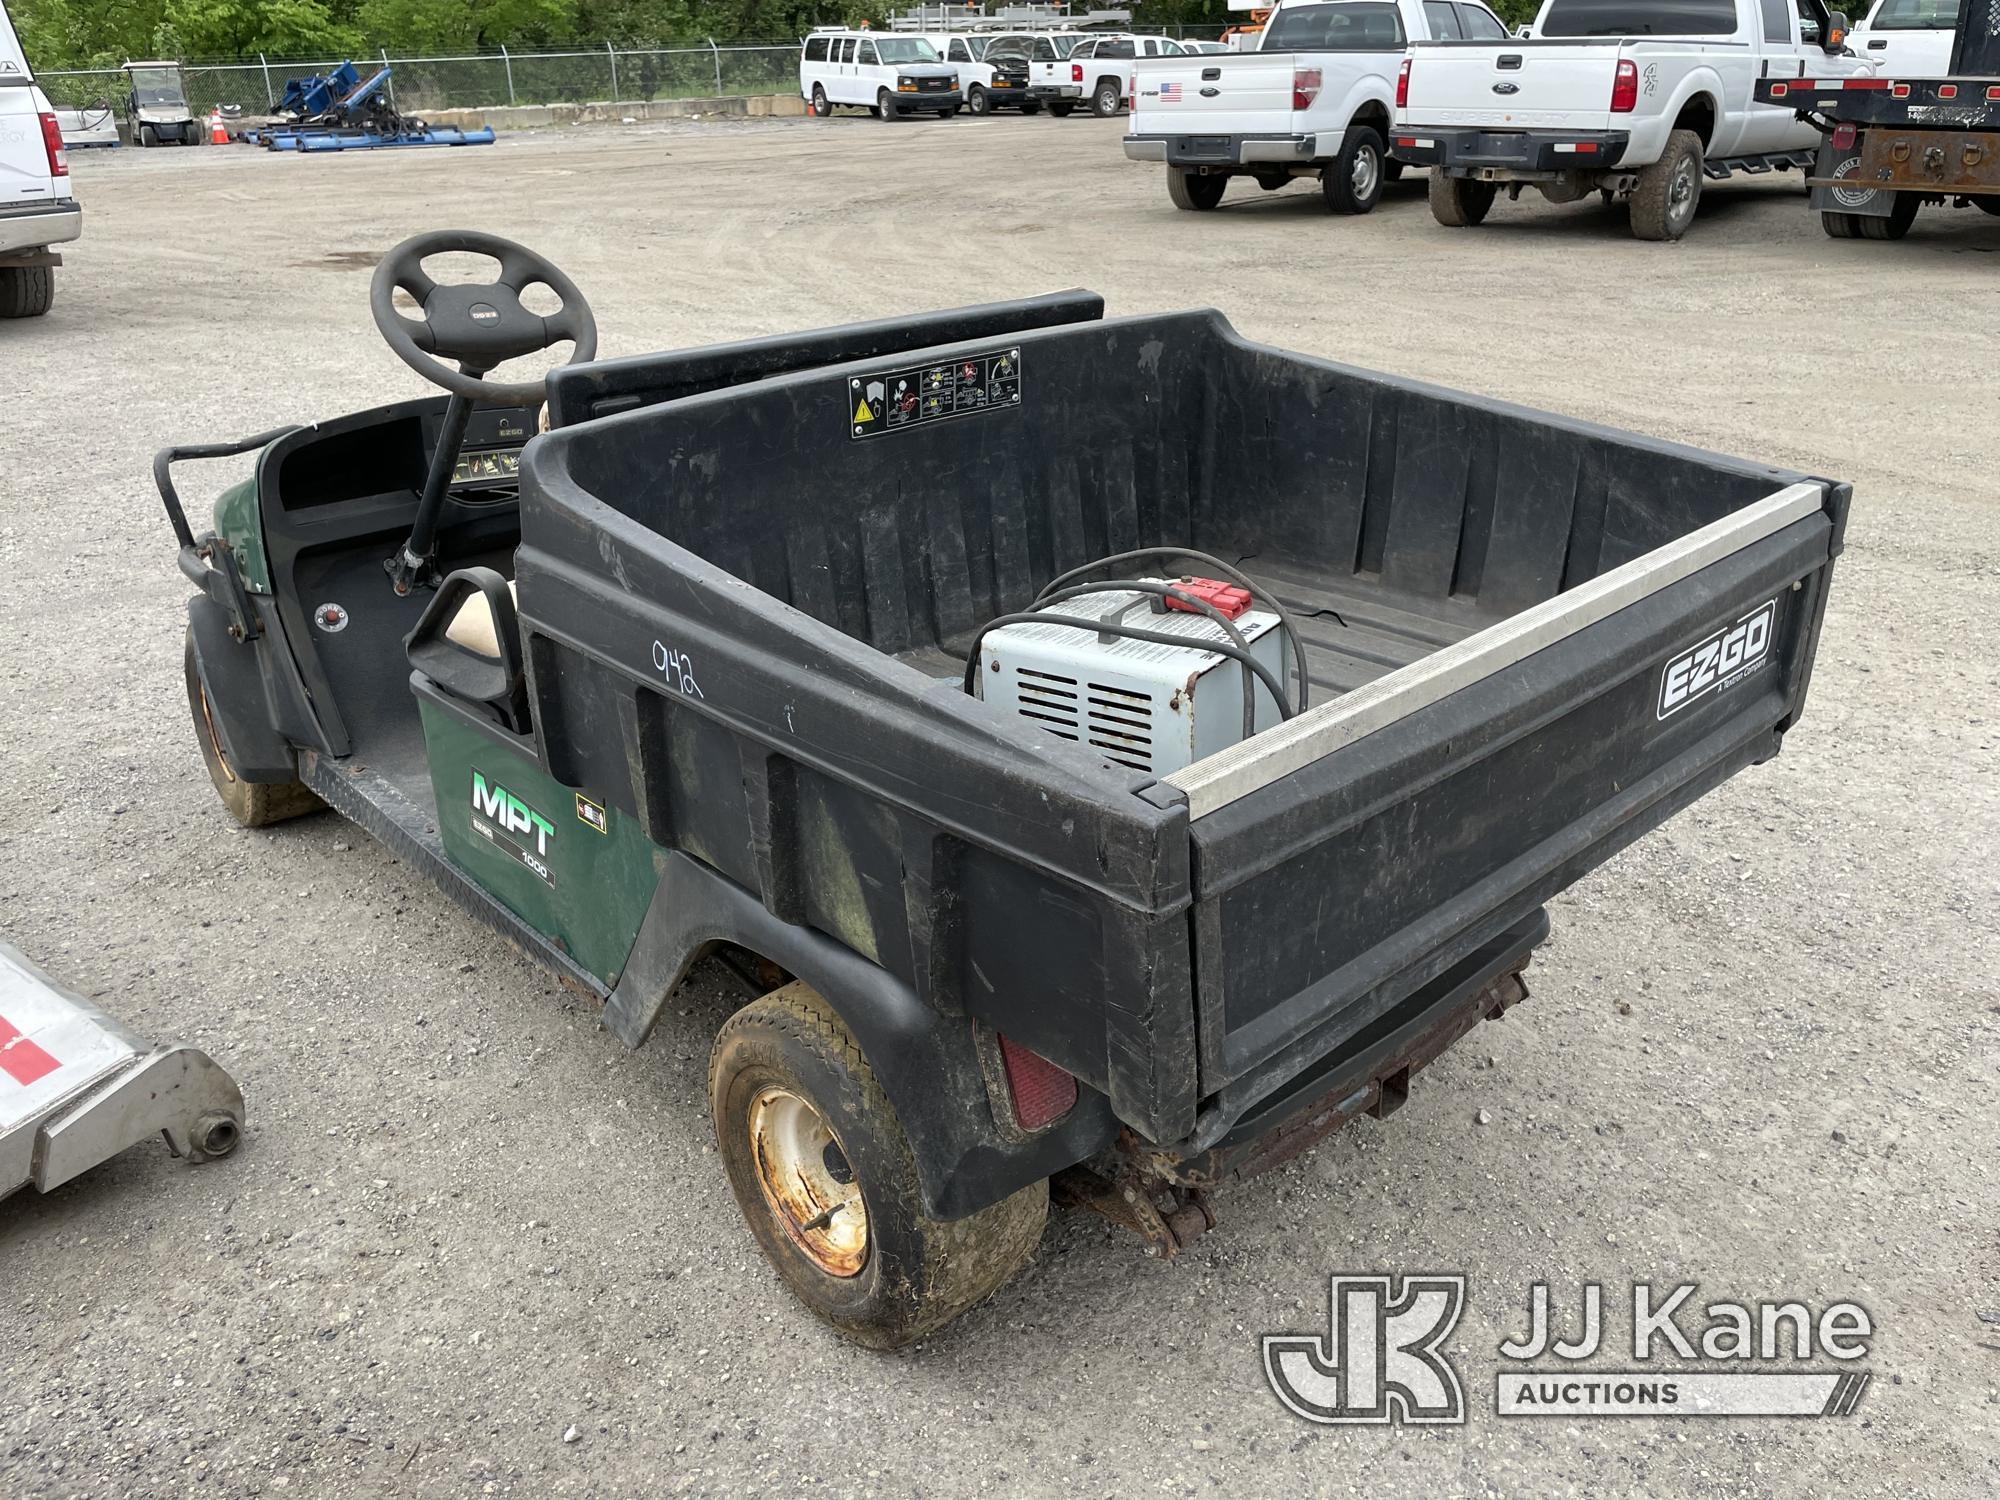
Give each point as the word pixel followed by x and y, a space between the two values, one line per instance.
pixel 36 207
pixel 887 74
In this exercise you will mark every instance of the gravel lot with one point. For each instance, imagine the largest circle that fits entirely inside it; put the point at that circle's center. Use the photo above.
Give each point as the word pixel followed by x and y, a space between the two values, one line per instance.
pixel 467 1219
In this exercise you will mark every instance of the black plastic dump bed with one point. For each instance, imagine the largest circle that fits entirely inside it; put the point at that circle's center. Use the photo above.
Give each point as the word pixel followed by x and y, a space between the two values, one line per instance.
pixel 1531 640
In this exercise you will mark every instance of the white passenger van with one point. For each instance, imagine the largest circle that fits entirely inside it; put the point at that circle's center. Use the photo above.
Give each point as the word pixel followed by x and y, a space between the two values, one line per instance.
pixel 889 75
pixel 992 69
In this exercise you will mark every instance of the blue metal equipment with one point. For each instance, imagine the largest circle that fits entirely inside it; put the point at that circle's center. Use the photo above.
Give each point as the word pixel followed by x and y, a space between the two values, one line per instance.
pixel 337 111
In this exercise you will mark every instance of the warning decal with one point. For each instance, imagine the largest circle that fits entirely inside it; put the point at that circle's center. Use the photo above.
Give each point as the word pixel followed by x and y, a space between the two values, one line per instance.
pixel 902 399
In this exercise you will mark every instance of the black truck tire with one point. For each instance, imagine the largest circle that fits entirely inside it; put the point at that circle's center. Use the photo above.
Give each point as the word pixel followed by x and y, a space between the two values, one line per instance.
pixel 803 1125
pixel 822 107
pixel 1195 191
pixel 976 100
pixel 26 291
pixel 1902 214
pixel 1061 110
pixel 1839 226
pixel 1108 99
pixel 1352 182
pixel 1668 191
pixel 254 804
pixel 1458 202
pixel 885 105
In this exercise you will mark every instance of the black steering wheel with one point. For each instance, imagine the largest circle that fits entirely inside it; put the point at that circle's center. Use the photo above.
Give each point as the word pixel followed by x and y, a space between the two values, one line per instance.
pixel 478 325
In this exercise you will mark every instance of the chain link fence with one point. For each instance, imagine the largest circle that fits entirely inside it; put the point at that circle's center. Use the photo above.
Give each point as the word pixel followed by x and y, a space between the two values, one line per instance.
pixel 477 80
pixel 484 80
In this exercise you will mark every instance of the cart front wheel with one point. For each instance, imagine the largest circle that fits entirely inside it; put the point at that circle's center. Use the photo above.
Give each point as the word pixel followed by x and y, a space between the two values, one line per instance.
pixel 823 1173
pixel 254 804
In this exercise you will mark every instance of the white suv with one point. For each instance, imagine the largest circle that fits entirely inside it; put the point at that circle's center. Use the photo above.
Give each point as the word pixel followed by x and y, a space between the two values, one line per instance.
pixel 36 207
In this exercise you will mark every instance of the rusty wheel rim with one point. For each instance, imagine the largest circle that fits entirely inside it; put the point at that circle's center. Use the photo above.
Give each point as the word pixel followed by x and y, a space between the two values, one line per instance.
pixel 808 1183
pixel 208 728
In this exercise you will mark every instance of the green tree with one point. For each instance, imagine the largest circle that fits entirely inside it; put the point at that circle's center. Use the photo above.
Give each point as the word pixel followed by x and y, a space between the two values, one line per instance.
pixel 456 25
pixel 86 33
pixel 242 28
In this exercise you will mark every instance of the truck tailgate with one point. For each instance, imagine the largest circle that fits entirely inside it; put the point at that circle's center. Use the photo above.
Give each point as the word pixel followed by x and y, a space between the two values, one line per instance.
pixel 1557 85
pixel 1242 93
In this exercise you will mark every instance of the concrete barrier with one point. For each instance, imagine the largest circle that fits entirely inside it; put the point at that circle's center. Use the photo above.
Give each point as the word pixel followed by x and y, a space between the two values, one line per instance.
pixel 616 111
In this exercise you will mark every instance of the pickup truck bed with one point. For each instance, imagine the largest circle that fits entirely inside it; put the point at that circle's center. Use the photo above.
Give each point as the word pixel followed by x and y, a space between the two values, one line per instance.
pixel 1530 640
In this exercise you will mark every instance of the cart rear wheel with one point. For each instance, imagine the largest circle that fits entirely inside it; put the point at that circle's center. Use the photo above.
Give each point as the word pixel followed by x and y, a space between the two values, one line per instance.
pixel 822 1171
pixel 1458 202
pixel 1195 190
pixel 254 804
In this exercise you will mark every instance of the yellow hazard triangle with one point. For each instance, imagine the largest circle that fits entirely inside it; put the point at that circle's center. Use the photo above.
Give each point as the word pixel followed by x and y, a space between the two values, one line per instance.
pixel 863 414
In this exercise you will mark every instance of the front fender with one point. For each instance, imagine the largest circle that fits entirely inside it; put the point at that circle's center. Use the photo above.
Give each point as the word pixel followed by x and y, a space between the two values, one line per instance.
pixel 926 1062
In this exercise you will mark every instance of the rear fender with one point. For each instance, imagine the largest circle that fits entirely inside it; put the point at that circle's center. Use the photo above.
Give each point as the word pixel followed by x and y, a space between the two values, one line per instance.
pixel 237 704
pixel 1649 135
pixel 927 1063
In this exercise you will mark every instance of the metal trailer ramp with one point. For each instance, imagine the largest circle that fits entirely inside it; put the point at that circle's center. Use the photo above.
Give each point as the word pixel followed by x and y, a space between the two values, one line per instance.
pixel 77 1088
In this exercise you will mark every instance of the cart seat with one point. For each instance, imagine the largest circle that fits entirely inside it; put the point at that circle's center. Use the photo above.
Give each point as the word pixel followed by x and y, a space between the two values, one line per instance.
pixel 472 624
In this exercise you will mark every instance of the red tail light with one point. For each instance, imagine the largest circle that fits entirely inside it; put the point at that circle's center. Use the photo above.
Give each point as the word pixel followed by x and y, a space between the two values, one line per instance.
pixel 1403 85
pixel 1305 87
pixel 52 142
pixel 1043 1093
pixel 1076 72
pixel 1625 88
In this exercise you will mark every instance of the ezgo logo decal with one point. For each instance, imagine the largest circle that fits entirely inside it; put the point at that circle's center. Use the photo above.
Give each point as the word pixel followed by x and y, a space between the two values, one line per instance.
pixel 497 813
pixel 1721 661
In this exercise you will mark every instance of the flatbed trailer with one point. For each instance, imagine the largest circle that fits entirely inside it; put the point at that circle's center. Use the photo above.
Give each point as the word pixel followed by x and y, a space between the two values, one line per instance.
pixel 1890 145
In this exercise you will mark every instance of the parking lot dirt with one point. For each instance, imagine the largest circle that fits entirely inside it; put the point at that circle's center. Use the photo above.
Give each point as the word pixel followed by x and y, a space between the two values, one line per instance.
pixel 1761 1053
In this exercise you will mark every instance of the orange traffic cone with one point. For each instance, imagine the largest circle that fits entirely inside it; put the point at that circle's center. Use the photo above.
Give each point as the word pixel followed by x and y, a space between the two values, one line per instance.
pixel 218 134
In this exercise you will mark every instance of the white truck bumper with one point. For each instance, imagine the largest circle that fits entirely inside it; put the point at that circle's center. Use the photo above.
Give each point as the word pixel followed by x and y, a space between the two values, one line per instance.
pixel 77 1088
pixel 39 225
pixel 1192 150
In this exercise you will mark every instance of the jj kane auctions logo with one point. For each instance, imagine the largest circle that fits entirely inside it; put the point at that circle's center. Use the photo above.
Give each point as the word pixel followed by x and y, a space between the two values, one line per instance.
pixel 1382 1359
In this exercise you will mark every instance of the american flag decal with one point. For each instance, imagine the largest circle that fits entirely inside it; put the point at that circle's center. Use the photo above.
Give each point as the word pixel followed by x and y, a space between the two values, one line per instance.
pixel 1170 93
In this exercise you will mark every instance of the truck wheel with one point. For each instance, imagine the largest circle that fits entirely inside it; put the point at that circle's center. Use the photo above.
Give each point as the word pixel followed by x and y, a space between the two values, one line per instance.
pixel 26 291
pixel 1108 99
pixel 1902 214
pixel 1457 202
pixel 1061 111
pixel 254 804
pixel 822 106
pixel 885 105
pixel 822 1170
pixel 1663 203
pixel 976 100
pixel 1353 180
pixel 1839 226
pixel 1193 190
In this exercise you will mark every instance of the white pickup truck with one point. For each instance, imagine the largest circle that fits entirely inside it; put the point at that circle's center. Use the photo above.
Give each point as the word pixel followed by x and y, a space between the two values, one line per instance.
pixel 1095 72
pixel 1638 100
pixel 1908 38
pixel 37 209
pixel 1315 99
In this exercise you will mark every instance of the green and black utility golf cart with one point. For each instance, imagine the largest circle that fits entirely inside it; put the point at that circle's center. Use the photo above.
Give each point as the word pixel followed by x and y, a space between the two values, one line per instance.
pixel 1110 753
